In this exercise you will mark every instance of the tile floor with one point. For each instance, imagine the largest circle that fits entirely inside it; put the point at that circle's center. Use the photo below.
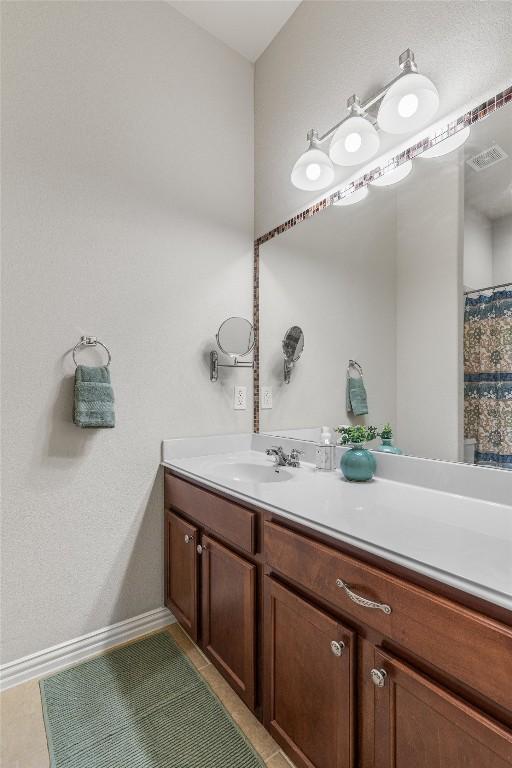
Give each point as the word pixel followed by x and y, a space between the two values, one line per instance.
pixel 23 737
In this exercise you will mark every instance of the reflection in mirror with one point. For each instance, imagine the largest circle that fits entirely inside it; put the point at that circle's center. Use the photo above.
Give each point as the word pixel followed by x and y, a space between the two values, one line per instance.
pixel 235 337
pixel 413 283
pixel 293 345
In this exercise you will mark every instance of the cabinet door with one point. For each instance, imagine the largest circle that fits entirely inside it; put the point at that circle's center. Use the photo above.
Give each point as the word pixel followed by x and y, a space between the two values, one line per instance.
pixel 181 571
pixel 309 681
pixel 420 724
pixel 229 616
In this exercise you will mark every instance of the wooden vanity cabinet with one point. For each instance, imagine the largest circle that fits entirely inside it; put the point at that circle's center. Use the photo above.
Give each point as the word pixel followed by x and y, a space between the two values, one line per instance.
pixel 181 573
pixel 344 682
pixel 228 600
pixel 406 717
pixel 419 723
pixel 211 587
pixel 309 695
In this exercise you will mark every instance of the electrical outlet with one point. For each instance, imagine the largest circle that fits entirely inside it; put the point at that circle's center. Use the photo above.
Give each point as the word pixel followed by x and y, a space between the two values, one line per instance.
pixel 240 399
pixel 266 397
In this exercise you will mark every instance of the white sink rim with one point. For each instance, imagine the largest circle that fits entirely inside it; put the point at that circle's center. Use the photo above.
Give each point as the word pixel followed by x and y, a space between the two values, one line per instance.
pixel 246 472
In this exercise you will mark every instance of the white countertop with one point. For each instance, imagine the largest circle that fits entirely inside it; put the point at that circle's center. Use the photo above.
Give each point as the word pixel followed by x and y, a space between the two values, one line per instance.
pixel 462 541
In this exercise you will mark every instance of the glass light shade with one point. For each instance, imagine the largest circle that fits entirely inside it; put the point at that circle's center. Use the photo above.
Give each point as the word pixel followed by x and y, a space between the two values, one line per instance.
pixel 448 145
pixel 313 170
pixel 355 141
pixel 409 104
pixel 355 197
pixel 394 176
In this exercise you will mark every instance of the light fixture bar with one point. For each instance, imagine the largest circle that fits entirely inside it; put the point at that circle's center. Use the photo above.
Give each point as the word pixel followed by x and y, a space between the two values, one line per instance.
pixel 407 64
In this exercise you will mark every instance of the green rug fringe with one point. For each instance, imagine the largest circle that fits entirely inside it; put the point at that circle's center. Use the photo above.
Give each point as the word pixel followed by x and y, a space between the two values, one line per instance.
pixel 140 706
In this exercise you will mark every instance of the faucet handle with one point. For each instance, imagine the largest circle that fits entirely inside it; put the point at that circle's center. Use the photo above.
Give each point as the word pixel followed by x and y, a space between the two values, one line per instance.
pixel 294 457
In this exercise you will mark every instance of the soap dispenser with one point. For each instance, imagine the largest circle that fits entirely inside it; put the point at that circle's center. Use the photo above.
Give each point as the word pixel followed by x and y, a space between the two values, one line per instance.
pixel 326 451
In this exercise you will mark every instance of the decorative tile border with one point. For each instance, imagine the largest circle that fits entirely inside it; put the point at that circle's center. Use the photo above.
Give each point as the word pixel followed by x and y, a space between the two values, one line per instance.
pixel 256 348
pixel 473 116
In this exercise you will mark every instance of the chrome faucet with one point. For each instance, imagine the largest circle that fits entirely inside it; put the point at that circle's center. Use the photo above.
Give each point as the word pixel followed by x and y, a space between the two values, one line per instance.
pixel 282 459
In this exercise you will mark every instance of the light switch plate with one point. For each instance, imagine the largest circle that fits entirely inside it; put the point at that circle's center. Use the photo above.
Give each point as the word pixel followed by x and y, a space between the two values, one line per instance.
pixel 240 399
pixel 266 397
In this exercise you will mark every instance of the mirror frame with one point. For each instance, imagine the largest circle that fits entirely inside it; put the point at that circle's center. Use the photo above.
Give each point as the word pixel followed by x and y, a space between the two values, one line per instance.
pixel 475 114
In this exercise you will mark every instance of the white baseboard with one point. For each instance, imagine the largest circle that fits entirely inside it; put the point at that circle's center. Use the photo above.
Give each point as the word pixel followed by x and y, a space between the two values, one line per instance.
pixel 71 652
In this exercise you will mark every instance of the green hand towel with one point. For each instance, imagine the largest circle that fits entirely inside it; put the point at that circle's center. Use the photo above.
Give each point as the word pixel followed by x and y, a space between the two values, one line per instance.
pixel 94 397
pixel 357 402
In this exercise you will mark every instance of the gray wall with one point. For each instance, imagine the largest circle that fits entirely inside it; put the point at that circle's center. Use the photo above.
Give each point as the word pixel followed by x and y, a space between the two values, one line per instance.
pixel 127 210
pixel 429 308
pixel 329 50
pixel 334 275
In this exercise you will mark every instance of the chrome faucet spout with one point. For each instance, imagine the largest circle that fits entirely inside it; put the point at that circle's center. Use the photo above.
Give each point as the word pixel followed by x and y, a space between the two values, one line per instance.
pixel 282 459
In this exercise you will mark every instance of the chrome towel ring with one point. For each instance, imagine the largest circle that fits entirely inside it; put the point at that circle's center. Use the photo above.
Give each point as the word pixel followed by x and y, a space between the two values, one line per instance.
pixel 90 341
pixel 354 364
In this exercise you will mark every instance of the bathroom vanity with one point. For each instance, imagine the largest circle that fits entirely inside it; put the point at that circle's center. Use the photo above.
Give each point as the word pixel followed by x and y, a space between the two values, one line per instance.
pixel 349 655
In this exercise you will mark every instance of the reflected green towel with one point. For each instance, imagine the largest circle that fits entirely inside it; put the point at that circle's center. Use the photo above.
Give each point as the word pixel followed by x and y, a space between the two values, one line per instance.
pixel 94 397
pixel 356 396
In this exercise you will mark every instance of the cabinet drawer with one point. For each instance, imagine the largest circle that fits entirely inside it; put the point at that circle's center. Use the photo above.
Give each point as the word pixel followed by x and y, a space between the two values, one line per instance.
pixel 460 642
pixel 233 523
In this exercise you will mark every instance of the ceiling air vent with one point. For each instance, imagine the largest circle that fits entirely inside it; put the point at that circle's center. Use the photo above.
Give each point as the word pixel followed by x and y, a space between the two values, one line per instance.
pixel 487 158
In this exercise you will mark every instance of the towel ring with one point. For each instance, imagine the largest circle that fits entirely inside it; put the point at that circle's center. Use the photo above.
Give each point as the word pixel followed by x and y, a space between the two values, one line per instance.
pixel 354 364
pixel 90 341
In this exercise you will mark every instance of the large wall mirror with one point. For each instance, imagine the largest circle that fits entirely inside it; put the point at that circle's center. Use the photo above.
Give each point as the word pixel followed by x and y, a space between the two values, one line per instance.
pixel 414 284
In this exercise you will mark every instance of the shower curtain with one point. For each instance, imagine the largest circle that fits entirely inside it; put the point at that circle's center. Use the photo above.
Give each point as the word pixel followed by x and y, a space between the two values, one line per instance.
pixel 488 376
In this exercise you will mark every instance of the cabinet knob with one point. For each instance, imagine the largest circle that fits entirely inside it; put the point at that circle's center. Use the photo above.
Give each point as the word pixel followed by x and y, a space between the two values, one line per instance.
pixel 378 677
pixel 337 647
pixel 200 549
pixel 188 539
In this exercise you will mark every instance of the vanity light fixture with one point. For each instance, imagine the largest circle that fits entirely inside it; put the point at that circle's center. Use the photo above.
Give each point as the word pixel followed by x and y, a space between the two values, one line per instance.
pixel 404 105
pixel 411 100
pixel 354 197
pixel 356 139
pixel 394 176
pixel 313 170
pixel 448 145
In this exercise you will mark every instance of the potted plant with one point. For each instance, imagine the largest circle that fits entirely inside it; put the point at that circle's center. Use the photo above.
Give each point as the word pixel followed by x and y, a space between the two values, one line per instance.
pixel 386 436
pixel 358 463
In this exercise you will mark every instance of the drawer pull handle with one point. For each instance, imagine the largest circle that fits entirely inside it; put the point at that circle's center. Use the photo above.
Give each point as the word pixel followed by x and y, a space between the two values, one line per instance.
pixel 188 539
pixel 362 600
pixel 378 677
pixel 337 647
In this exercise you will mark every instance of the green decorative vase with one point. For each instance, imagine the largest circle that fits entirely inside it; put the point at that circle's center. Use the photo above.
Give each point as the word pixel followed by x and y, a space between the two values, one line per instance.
pixel 358 463
pixel 388 447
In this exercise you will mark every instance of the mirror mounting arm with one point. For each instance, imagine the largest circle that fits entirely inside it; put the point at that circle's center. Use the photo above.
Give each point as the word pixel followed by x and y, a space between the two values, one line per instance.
pixel 288 367
pixel 215 365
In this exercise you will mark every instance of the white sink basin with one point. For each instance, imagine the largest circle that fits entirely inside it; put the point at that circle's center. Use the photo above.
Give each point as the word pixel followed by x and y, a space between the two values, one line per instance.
pixel 251 473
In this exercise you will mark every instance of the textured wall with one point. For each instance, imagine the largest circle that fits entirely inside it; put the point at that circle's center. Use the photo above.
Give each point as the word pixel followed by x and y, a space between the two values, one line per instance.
pixel 478 271
pixel 502 250
pixel 329 50
pixel 429 310
pixel 334 275
pixel 127 212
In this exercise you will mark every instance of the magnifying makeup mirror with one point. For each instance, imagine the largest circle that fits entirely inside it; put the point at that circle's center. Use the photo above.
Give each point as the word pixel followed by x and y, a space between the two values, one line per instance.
pixel 293 346
pixel 235 338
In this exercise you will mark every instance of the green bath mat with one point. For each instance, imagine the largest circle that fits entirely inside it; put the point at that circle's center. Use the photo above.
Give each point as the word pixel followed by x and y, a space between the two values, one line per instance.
pixel 141 706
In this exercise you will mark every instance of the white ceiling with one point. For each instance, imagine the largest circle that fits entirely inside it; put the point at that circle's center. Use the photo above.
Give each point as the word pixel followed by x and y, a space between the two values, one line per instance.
pixel 247 26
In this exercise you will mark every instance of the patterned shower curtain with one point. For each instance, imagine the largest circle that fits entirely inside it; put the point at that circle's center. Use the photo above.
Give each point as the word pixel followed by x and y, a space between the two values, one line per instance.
pixel 488 376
